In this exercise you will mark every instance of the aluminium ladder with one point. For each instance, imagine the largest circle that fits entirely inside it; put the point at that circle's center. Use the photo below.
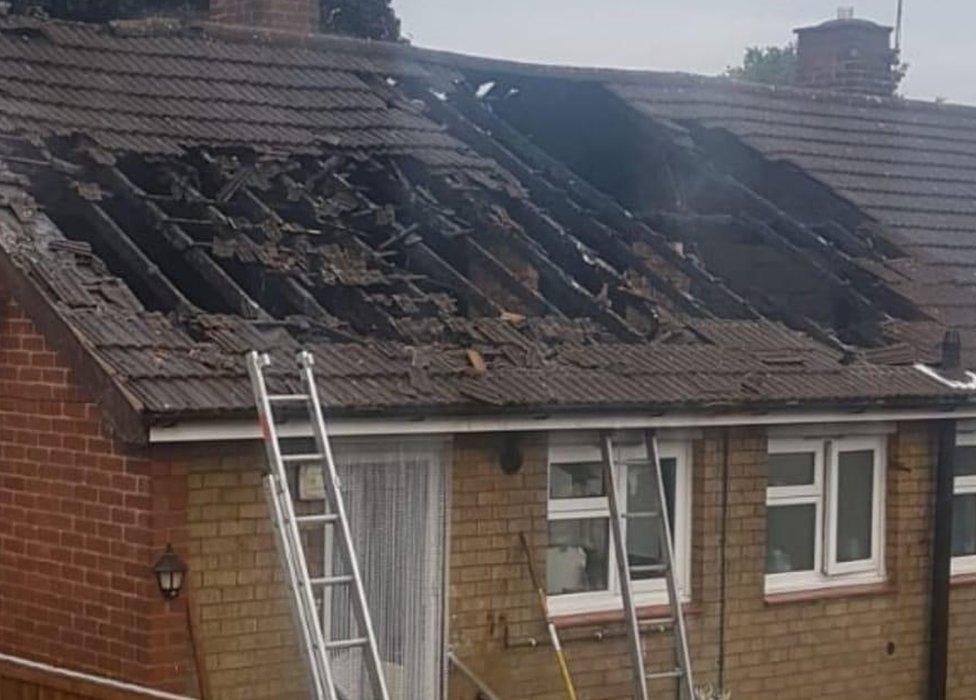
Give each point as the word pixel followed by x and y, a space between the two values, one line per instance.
pixel 313 622
pixel 657 511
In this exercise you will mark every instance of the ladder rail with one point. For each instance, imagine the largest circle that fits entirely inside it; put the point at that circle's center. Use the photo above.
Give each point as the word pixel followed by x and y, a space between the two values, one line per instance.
pixel 294 582
pixel 620 550
pixel 681 638
pixel 289 537
pixel 375 665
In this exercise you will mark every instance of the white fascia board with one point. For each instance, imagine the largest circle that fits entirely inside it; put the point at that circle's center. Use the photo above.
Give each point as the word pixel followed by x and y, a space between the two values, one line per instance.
pixel 243 429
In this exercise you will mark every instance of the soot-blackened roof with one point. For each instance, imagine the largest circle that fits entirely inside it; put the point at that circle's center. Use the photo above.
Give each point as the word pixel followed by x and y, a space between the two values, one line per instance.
pixel 170 198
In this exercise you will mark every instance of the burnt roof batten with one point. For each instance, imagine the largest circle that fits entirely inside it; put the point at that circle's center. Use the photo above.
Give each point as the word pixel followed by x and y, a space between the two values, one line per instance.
pixel 221 283
pixel 509 147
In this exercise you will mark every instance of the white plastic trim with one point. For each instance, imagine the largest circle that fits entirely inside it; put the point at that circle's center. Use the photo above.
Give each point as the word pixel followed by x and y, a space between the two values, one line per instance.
pixel 247 429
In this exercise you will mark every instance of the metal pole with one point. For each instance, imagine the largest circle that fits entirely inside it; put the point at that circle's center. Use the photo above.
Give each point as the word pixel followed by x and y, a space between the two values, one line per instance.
pixel 553 635
pixel 111 683
pixel 483 689
pixel 898 25
pixel 942 561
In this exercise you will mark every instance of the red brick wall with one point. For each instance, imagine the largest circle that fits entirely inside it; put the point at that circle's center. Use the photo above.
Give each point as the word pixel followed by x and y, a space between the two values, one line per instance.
pixel 82 520
pixel 299 16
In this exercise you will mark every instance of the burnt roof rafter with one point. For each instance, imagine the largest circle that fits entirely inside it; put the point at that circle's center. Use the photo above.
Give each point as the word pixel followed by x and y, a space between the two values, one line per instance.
pixel 565 292
pixel 452 242
pixel 569 197
pixel 100 230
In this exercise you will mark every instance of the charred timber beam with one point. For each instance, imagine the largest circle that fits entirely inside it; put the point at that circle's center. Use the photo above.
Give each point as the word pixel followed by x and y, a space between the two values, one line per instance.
pixel 417 257
pixel 494 137
pixel 767 234
pixel 145 274
pixel 222 285
pixel 607 243
pixel 421 258
pixel 725 193
pixel 573 297
pixel 455 246
pixel 304 300
pixel 148 275
pixel 295 294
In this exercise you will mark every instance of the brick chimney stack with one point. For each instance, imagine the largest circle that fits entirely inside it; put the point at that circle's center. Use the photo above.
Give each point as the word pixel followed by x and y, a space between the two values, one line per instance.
pixel 847 55
pixel 295 16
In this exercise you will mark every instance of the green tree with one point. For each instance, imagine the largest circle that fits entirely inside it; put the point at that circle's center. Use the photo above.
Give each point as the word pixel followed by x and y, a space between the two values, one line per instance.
pixel 370 19
pixel 773 65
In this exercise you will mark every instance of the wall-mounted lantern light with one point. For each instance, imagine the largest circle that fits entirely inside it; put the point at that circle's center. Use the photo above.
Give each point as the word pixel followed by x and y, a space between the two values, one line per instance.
pixel 170 571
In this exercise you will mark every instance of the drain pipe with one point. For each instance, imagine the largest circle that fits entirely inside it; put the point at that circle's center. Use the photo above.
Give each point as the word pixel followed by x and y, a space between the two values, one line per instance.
pixel 942 535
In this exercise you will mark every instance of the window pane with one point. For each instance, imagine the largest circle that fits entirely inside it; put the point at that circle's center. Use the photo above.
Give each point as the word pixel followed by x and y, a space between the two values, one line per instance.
pixel 965 462
pixel 577 558
pixel 855 500
pixel 643 534
pixel 579 480
pixel 791 469
pixel 790 533
pixel 964 525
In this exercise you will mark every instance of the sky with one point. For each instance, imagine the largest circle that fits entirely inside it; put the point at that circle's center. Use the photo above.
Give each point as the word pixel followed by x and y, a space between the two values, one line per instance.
pixel 699 36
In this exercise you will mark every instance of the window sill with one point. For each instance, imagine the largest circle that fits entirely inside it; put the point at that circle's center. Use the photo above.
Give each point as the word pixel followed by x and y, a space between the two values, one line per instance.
pixel 833 592
pixel 963 579
pixel 610 617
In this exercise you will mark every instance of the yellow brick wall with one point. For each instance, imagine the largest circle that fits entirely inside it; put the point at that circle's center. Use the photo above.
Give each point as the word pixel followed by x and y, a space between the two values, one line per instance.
pixel 870 646
pixel 236 584
pixel 825 649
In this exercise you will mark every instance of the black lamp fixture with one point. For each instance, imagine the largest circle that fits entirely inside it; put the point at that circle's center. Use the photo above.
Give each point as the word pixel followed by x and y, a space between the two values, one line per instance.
pixel 170 572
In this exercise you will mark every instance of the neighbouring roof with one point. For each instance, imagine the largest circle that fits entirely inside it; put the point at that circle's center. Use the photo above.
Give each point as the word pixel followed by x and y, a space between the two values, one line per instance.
pixel 173 197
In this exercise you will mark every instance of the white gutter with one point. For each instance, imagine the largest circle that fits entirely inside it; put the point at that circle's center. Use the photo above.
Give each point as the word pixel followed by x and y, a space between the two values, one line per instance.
pixel 88 678
pixel 243 429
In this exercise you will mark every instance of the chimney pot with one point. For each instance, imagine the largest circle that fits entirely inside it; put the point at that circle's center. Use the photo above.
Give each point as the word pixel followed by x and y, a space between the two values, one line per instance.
pixel 951 350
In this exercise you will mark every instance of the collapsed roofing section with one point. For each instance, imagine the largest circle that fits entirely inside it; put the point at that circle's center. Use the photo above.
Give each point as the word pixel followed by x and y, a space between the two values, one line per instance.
pixel 783 241
pixel 375 211
pixel 908 166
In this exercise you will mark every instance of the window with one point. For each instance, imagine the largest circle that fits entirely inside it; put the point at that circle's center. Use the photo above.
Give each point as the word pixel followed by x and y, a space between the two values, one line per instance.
pixel 397 489
pixel 581 569
pixel 824 513
pixel 964 506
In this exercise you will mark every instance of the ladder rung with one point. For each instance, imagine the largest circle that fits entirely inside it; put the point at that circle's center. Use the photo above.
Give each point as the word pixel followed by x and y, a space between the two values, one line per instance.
pixel 643 514
pixel 285 398
pixel 347 643
pixel 312 457
pixel 676 673
pixel 330 580
pixel 316 519
pixel 649 569
pixel 657 621
pixel 638 463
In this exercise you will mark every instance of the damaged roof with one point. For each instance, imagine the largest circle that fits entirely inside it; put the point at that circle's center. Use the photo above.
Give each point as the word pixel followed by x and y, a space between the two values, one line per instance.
pixel 172 197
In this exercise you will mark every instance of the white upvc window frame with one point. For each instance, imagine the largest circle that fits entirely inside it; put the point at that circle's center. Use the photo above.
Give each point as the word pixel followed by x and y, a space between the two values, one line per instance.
pixel 964 486
pixel 827 571
pixel 584 447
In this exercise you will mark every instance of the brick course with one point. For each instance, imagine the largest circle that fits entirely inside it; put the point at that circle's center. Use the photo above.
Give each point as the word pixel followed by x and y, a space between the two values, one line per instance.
pixel 298 16
pixel 82 520
pixel 238 591
pixel 83 517
pixel 872 646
